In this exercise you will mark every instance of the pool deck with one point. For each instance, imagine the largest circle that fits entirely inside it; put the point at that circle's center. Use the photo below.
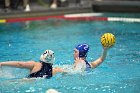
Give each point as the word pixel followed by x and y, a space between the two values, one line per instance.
pixel 44 10
pixel 48 12
pixel 88 6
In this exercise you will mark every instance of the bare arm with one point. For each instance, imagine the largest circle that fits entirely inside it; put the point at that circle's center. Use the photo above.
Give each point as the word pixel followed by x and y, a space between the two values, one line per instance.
pixel 97 62
pixel 58 70
pixel 18 64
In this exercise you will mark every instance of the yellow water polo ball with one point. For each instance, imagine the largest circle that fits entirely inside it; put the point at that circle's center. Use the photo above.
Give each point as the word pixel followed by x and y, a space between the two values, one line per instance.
pixel 107 40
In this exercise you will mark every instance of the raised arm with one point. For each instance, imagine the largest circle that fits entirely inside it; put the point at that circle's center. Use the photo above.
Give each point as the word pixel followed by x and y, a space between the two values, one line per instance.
pixel 97 62
pixel 18 64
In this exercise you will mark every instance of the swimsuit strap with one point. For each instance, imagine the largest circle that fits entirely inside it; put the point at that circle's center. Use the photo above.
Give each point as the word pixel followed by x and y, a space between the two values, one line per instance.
pixel 87 64
pixel 45 71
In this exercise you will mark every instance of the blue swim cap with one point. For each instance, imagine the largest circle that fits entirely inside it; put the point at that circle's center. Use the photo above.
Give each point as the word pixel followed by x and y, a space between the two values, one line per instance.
pixel 83 49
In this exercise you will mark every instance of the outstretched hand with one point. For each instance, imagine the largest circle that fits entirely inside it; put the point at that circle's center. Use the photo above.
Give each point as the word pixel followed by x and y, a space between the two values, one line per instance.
pixel 106 48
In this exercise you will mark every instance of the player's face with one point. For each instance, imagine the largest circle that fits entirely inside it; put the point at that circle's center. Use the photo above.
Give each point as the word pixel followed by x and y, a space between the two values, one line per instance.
pixel 76 53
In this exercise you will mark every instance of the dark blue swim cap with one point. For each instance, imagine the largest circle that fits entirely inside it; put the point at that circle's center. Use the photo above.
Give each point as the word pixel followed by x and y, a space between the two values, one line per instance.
pixel 83 49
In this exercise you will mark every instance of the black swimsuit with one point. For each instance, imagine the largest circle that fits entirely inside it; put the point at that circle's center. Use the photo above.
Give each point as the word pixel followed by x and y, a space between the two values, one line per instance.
pixel 87 65
pixel 45 71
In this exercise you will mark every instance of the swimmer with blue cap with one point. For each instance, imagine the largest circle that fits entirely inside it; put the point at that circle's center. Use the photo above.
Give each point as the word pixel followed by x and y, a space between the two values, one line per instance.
pixel 80 54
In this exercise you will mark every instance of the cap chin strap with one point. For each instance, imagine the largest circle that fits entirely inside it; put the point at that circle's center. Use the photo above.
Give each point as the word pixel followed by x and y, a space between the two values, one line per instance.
pixel 45 62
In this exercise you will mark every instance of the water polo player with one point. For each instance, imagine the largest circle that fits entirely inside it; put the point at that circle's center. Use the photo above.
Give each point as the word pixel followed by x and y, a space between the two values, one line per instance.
pixel 80 54
pixel 41 69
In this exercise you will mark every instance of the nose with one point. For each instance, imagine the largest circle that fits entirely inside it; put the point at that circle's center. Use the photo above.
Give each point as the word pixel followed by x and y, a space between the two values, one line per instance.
pixel 51 55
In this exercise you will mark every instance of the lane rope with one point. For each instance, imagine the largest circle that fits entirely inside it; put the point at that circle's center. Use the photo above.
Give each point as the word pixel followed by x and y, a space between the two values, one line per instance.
pixel 2 21
pixel 81 16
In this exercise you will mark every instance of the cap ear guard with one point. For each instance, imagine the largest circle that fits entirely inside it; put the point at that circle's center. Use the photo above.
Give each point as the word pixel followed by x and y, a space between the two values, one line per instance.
pixel 82 54
pixel 48 57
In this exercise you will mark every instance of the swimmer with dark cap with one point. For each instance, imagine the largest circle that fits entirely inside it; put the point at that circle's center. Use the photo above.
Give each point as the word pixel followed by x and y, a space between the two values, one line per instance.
pixel 41 69
pixel 80 54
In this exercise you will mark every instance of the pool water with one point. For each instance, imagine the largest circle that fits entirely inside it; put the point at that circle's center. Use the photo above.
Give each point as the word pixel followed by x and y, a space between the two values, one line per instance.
pixel 25 41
